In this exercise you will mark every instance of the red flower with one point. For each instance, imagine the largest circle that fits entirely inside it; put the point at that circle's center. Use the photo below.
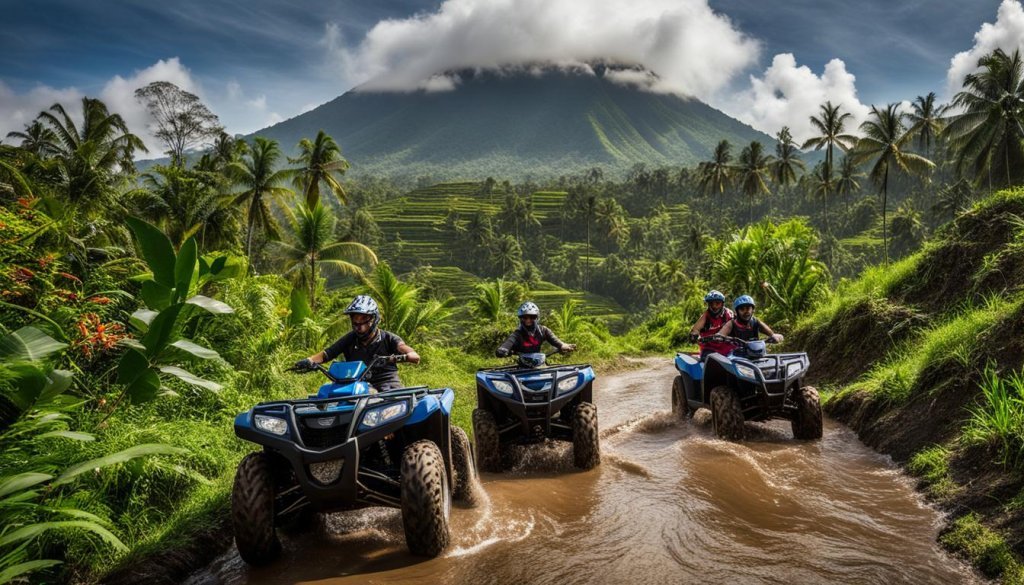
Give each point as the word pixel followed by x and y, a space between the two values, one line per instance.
pixel 23 274
pixel 97 336
pixel 100 300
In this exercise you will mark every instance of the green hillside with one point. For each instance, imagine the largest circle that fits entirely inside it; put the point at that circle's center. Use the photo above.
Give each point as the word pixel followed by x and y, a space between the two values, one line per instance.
pixel 517 125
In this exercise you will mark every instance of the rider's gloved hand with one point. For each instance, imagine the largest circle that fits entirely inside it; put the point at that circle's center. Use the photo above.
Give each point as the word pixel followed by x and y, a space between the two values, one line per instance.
pixel 502 352
pixel 694 336
pixel 303 365
pixel 396 358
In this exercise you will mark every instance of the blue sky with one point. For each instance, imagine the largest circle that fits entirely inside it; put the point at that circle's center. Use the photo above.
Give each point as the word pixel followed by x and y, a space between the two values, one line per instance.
pixel 259 61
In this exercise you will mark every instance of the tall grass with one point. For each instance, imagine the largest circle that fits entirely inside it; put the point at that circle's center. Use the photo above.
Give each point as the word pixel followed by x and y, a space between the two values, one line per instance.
pixel 999 418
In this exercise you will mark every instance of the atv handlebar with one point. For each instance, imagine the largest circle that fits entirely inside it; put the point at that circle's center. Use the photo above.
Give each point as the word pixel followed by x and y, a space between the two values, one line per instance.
pixel 733 340
pixel 374 363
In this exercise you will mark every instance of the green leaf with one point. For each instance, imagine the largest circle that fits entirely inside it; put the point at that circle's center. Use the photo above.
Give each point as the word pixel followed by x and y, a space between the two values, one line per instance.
pixel 128 454
pixel 131 366
pixel 73 435
pixel 142 318
pixel 156 295
pixel 57 329
pixel 8 574
pixel 29 344
pixel 29 382
pixel 195 350
pixel 22 481
pixel 214 306
pixel 191 378
pixel 156 250
pixel 145 387
pixel 185 267
pixel 133 343
pixel 161 330
pixel 218 265
pixel 299 305
pixel 57 383
pixel 33 530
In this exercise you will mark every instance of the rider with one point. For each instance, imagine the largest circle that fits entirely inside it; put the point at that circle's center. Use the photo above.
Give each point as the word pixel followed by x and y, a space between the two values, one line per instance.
pixel 365 342
pixel 530 334
pixel 710 323
pixel 745 325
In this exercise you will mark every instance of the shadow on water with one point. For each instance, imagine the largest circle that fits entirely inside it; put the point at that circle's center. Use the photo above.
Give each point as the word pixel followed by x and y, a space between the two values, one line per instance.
pixel 670 503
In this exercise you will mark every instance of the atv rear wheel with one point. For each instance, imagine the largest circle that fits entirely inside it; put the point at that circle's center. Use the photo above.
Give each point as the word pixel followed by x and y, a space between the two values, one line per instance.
pixel 586 443
pixel 680 408
pixel 426 500
pixel 807 420
pixel 726 414
pixel 252 510
pixel 464 467
pixel 485 430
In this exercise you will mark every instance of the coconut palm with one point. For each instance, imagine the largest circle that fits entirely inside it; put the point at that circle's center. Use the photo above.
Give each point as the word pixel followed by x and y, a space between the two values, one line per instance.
pixel 321 167
pixel 261 184
pixel 787 159
pixel 830 128
pixel 313 250
pixel 884 147
pixel 988 132
pixel 184 203
pixel 924 121
pixel 506 253
pixel 37 139
pixel 753 173
pixel 821 185
pixel 490 300
pixel 716 174
pixel 403 311
pixel 846 181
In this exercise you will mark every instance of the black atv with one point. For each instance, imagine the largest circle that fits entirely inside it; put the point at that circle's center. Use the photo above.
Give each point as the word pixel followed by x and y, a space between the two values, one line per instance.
pixel 747 385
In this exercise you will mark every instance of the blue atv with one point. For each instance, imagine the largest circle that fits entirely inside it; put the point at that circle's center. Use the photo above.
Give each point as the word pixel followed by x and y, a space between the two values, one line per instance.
pixel 347 447
pixel 747 385
pixel 529 402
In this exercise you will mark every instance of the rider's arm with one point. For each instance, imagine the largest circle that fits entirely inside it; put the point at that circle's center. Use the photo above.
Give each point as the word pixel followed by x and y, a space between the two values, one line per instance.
pixel 768 331
pixel 334 350
pixel 726 329
pixel 551 338
pixel 410 354
pixel 506 347
pixel 699 324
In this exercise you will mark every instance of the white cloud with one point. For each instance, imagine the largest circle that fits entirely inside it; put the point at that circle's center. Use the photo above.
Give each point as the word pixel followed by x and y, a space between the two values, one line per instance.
pixel 788 94
pixel 694 50
pixel 1007 33
pixel 17 110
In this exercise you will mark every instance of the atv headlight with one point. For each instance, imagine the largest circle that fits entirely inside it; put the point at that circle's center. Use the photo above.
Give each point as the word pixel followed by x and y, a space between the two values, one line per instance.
pixel 271 424
pixel 568 384
pixel 746 372
pixel 382 414
pixel 793 368
pixel 502 386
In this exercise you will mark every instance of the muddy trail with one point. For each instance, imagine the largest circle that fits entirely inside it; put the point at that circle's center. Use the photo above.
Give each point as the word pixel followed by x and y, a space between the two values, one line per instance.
pixel 668 504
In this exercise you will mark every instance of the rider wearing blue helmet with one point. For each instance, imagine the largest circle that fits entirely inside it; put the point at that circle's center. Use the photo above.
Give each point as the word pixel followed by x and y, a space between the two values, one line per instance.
pixel 530 334
pixel 745 325
pixel 710 323
pixel 365 342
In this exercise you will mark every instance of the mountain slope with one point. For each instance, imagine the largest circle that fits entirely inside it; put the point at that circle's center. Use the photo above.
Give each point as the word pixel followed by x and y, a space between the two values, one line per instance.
pixel 497 124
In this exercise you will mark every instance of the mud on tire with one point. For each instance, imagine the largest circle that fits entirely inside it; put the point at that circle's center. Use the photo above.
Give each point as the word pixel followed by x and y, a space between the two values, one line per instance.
pixel 464 468
pixel 680 408
pixel 252 510
pixel 426 500
pixel 726 414
pixel 485 430
pixel 586 446
pixel 807 422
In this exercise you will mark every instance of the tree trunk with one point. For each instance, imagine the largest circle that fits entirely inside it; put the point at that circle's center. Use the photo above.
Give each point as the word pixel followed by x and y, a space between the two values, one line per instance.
pixel 312 282
pixel 885 204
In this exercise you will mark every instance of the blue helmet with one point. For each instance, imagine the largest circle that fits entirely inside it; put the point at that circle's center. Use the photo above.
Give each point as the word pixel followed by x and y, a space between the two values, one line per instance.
pixel 365 305
pixel 714 296
pixel 743 300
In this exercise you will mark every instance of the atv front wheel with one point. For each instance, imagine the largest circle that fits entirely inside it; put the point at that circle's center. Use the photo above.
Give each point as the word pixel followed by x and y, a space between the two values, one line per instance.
pixel 464 467
pixel 586 445
pixel 680 408
pixel 726 414
pixel 485 430
pixel 426 500
pixel 807 420
pixel 252 510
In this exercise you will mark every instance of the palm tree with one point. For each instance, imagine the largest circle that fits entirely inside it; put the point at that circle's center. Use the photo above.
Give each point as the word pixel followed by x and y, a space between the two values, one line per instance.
pixel 313 249
pixel 321 166
pixel 821 185
pixel 507 253
pixel 716 174
pixel 830 135
pixel 490 300
pixel 752 173
pixel 846 183
pixel 988 134
pixel 883 146
pixel 925 121
pixel 37 139
pixel 256 174
pixel 787 159
pixel 402 309
pixel 183 203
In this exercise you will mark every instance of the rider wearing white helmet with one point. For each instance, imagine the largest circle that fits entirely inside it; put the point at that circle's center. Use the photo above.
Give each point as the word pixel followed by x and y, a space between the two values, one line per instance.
pixel 367 341
pixel 530 334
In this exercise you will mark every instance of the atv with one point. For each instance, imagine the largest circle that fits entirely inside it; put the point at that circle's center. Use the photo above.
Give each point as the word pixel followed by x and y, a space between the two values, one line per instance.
pixel 529 402
pixel 747 385
pixel 348 447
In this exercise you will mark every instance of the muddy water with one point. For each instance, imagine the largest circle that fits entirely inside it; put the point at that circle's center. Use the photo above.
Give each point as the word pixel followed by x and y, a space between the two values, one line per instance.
pixel 669 504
